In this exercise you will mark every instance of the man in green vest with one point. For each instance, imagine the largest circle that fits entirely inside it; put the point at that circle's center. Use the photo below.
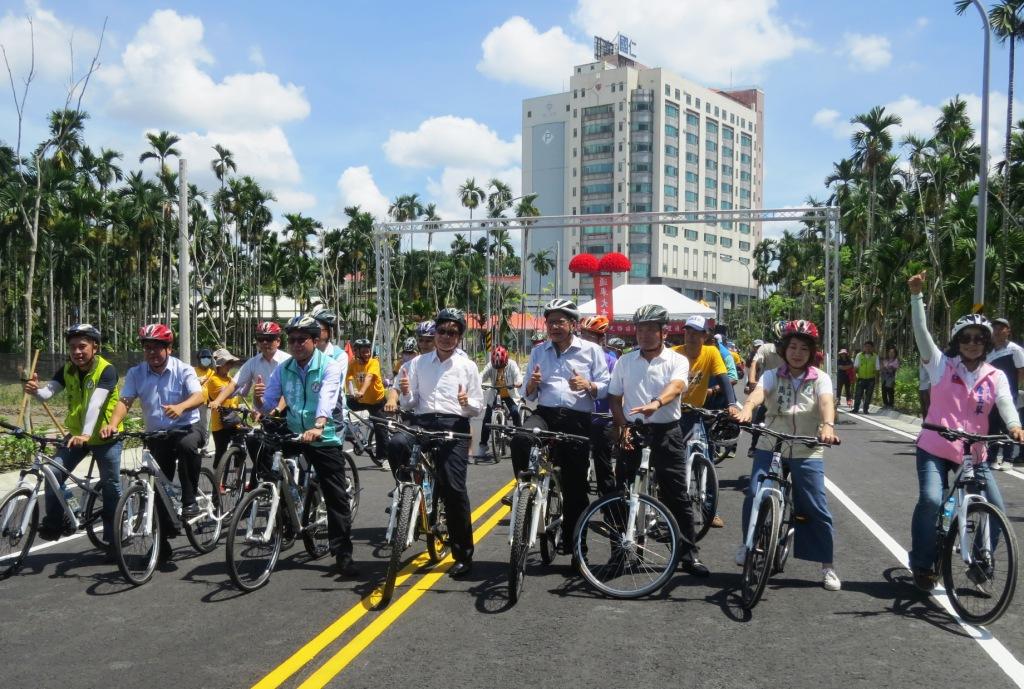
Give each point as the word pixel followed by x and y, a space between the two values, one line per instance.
pixel 868 368
pixel 90 383
pixel 308 385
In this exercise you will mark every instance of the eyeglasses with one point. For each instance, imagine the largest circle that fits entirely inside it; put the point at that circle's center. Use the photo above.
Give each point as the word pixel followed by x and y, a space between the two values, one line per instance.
pixel 298 340
pixel 266 339
pixel 425 339
pixel 153 346
pixel 560 323
pixel 972 339
pixel 448 332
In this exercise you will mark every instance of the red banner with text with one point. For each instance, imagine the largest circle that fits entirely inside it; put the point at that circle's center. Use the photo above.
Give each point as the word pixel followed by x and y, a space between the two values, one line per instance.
pixel 603 295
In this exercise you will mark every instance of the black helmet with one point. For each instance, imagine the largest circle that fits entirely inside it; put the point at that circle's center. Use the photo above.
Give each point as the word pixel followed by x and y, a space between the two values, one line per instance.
pixel 324 315
pixel 362 342
pixel 83 330
pixel 450 313
pixel 409 345
pixel 616 343
pixel 303 324
pixel 651 313
pixel 566 306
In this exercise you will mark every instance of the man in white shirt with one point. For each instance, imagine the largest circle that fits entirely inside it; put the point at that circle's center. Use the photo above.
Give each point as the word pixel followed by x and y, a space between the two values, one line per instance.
pixel 1008 357
pixel 645 386
pixel 443 392
pixel 255 372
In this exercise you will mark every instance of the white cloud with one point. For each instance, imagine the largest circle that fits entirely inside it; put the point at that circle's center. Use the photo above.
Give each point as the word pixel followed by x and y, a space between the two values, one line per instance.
pixel 256 56
pixel 867 53
pixel 825 118
pixel 517 52
pixel 714 42
pixel 291 200
pixel 451 140
pixel 356 187
pixel 160 79
pixel 921 22
pixel 51 38
pixel 264 154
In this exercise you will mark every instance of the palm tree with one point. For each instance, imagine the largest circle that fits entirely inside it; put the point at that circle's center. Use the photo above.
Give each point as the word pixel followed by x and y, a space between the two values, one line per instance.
pixel 541 262
pixel 430 216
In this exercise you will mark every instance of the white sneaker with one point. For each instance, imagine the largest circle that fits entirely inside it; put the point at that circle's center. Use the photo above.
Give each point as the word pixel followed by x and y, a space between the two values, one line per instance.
pixel 741 555
pixel 830 580
pixel 1000 465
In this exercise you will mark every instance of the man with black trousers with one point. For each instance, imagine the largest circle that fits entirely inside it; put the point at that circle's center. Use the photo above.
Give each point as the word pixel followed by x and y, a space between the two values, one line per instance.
pixel 646 384
pixel 443 392
pixel 566 374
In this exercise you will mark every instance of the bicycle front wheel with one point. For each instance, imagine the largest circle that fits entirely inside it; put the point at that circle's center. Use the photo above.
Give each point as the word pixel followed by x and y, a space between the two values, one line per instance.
pixel 15 535
pixel 761 556
pixel 703 492
pixel 520 546
pixel 252 551
pixel 980 590
pixel 399 537
pixel 203 532
pixel 137 534
pixel 351 483
pixel 438 539
pixel 551 538
pixel 233 477
pixel 314 522
pixel 620 566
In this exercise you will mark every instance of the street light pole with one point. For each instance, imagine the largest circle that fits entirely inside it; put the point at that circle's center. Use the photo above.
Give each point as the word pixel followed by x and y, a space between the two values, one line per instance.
pixel 980 238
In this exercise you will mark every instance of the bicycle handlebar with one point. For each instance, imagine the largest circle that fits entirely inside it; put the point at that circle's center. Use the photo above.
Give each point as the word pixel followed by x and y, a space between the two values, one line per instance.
pixel 419 433
pixel 807 440
pixel 538 434
pixel 706 413
pixel 957 434
pixel 22 433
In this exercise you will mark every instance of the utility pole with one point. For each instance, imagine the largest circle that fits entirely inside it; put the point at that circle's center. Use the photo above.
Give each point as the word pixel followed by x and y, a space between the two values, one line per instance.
pixel 184 268
pixel 980 237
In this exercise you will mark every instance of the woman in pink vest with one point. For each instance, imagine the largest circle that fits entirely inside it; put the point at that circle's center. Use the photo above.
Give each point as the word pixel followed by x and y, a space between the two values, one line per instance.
pixel 964 389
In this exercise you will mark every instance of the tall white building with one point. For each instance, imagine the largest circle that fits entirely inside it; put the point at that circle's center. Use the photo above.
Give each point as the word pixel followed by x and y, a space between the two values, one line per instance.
pixel 626 137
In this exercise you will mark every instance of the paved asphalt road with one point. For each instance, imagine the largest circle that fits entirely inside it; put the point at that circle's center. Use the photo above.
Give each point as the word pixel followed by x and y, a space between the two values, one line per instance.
pixel 70 621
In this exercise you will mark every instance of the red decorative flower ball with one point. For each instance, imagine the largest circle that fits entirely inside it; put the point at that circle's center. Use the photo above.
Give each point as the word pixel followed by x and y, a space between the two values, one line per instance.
pixel 583 263
pixel 614 263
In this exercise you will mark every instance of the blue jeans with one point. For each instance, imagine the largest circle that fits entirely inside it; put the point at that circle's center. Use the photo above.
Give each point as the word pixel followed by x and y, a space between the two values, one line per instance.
pixel 814 535
pixel 108 459
pixel 933 481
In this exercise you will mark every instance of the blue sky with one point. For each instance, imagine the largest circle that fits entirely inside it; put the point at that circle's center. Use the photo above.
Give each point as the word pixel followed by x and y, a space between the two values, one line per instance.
pixel 331 104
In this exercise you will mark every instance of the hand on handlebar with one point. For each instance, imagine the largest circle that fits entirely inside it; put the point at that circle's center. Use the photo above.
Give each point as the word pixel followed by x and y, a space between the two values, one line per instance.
pixel 1017 434
pixel 740 415
pixel 108 431
pixel 827 436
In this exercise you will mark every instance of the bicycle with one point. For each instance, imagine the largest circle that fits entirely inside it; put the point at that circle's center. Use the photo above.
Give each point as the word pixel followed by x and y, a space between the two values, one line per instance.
pixel 268 518
pixel 701 474
pixel 359 432
pixel 500 416
pixel 627 543
pixel 234 472
pixel 770 531
pixel 970 531
pixel 536 504
pixel 415 506
pixel 19 509
pixel 137 528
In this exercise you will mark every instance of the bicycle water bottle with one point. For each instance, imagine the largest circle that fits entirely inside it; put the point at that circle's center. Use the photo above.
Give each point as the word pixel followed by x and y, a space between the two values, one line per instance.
pixel 72 501
pixel 428 489
pixel 947 512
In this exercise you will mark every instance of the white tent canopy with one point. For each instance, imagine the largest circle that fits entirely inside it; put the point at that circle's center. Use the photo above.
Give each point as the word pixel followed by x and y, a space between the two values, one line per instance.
pixel 626 299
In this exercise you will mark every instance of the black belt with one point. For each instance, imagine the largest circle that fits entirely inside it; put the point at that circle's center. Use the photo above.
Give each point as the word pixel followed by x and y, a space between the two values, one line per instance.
pixel 565 411
pixel 435 417
pixel 662 426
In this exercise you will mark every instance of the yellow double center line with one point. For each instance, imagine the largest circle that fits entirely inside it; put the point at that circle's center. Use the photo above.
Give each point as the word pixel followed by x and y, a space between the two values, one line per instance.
pixel 357 645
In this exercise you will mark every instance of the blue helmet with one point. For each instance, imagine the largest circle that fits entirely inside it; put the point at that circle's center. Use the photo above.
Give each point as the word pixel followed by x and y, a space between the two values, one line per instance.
pixel 426 329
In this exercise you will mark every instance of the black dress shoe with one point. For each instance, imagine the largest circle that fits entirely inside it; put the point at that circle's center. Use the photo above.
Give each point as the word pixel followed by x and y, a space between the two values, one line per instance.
pixel 344 565
pixel 461 570
pixel 190 511
pixel 696 568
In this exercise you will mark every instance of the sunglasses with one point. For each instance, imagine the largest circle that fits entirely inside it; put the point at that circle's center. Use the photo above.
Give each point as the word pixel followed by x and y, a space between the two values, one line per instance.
pixel 972 339
pixel 266 339
pixel 448 332
pixel 298 340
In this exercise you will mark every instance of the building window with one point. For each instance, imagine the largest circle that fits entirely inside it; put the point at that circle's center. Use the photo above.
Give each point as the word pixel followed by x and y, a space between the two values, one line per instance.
pixel 711 127
pixel 640 188
pixel 671 231
pixel 711 164
pixel 671 131
pixel 640 270
pixel 574 93
pixel 692 139
pixel 672 151
pixel 726 188
pixel 597 169
pixel 668 90
pixel 710 202
pixel 697 102
pixel 710 183
pixel 692 119
pixel 671 171
pixel 691 235
pixel 710 146
pixel 716 111
pixel 677 94
pixel 725 241
pixel 691 177
pixel 692 158
pixel 726 134
pixel 727 171
pixel 670 209
pixel 745 140
pixel 707 108
pixel 744 246
pixel 687 98
pixel 691 196
pixel 641 147
pixel 671 192
pixel 596 188
pixel 710 239
pixel 529 113
pixel 744 228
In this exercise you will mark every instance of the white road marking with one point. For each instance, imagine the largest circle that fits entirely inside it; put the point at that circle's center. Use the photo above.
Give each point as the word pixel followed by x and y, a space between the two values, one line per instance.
pixel 991 645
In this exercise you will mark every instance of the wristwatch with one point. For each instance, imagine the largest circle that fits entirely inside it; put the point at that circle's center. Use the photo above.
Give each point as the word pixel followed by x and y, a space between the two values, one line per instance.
pixel 658 400
pixel 320 425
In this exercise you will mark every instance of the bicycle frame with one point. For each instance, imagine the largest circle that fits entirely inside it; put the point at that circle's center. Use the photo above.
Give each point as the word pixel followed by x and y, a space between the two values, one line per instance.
pixel 638 487
pixel 418 466
pixel 539 467
pixel 962 500
pixel 696 441
pixel 772 484
pixel 290 478
pixel 44 466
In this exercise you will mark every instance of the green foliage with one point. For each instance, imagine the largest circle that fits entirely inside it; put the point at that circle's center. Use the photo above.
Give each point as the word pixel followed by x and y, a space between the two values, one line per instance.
pixel 15 453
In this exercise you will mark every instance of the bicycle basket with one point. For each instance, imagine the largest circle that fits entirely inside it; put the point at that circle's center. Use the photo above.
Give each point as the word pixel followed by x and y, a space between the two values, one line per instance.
pixel 724 433
pixel 230 418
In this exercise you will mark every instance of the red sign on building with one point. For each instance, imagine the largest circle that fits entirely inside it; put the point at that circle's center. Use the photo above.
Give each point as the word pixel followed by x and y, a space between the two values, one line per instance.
pixel 603 295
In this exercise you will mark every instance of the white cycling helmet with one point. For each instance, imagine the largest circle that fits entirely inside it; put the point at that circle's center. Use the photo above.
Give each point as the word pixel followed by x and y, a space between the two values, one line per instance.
pixel 968 320
pixel 567 307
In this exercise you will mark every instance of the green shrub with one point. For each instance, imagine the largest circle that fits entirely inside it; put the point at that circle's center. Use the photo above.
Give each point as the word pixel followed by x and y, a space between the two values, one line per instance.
pixel 906 397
